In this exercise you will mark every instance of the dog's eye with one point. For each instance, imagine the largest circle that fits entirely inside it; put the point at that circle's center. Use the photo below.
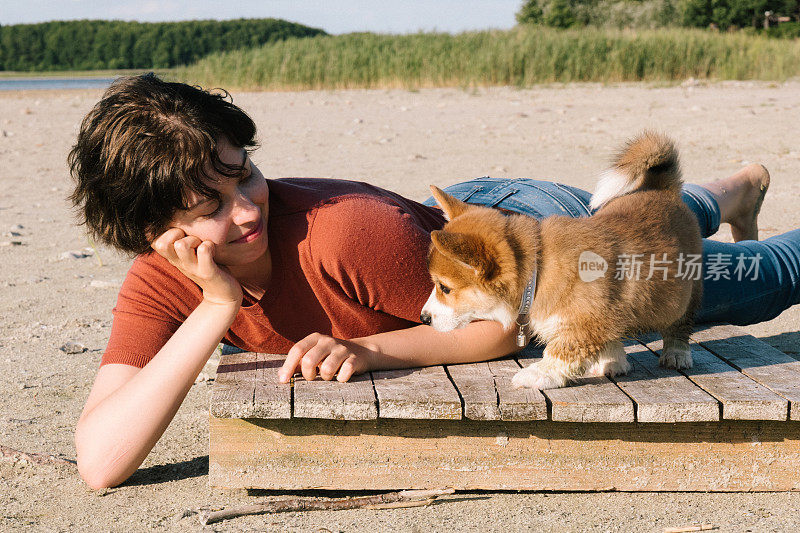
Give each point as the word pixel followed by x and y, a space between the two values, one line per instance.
pixel 445 289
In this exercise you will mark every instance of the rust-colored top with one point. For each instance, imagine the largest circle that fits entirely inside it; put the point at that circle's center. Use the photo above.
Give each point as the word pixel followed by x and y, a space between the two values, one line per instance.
pixel 348 260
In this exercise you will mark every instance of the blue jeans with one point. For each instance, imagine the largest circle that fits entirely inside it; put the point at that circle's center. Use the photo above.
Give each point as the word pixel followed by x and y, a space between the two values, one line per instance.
pixel 743 283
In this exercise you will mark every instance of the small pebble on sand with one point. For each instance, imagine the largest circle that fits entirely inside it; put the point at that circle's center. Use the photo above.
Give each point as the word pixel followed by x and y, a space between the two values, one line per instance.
pixel 74 254
pixel 72 347
pixel 101 284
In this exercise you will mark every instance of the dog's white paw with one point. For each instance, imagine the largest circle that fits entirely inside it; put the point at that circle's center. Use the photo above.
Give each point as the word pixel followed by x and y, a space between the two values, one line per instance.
pixel 596 370
pixel 609 368
pixel 675 357
pixel 619 367
pixel 611 361
pixel 537 376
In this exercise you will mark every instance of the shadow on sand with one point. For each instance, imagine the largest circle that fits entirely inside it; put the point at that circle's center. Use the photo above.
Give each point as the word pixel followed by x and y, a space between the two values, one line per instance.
pixel 153 475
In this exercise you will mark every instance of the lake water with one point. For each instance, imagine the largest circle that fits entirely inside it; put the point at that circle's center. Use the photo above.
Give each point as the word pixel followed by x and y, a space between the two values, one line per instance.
pixel 18 84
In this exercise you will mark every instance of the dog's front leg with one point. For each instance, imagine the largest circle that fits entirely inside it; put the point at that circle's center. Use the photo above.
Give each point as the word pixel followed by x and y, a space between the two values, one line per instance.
pixel 611 361
pixel 552 372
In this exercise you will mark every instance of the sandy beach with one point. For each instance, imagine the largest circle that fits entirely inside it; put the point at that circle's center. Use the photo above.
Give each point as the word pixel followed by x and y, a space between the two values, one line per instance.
pixel 55 289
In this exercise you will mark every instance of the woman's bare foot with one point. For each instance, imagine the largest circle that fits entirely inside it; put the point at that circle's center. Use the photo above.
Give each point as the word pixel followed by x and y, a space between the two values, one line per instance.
pixel 739 198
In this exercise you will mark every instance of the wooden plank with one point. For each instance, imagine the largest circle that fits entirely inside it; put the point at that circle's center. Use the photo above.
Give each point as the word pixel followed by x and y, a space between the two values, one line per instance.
pixel 391 454
pixel 487 393
pixel 741 397
pixel 354 400
pixel 513 403
pixel 475 384
pixel 234 386
pixel 416 393
pixel 271 399
pixel 590 399
pixel 663 395
pixel 763 363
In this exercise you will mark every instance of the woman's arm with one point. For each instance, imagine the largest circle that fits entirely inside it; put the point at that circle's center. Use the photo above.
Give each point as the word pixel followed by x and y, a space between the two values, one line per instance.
pixel 416 346
pixel 129 409
pixel 424 346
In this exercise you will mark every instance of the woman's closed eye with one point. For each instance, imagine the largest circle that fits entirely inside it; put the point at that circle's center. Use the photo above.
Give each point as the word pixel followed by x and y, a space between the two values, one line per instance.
pixel 244 179
pixel 214 212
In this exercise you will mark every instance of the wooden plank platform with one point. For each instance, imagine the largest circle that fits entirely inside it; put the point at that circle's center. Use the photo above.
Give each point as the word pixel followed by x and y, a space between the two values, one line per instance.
pixel 487 394
pixel 757 360
pixel 661 394
pixel 591 399
pixel 247 386
pixel 425 393
pixel 741 397
pixel 725 424
pixel 332 400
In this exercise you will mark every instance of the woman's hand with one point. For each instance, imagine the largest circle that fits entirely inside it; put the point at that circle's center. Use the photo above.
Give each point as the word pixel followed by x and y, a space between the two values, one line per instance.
pixel 195 259
pixel 328 356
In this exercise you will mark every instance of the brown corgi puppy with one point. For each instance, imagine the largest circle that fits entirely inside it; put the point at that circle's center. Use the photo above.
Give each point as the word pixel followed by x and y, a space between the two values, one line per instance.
pixel 579 284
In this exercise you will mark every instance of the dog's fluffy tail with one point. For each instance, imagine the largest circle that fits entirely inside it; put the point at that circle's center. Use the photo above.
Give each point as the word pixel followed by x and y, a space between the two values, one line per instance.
pixel 649 161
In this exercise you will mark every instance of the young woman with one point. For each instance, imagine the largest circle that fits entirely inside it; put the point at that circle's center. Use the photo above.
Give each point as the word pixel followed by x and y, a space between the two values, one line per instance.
pixel 331 272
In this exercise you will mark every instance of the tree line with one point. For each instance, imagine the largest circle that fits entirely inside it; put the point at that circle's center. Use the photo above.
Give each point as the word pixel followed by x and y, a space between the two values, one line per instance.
pixel 115 44
pixel 721 14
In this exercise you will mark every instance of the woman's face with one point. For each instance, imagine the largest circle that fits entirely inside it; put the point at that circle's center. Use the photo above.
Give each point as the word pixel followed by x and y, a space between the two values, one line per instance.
pixel 237 224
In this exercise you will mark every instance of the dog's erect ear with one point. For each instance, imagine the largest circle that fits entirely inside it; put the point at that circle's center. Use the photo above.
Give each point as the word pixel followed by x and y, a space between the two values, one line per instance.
pixel 468 250
pixel 451 206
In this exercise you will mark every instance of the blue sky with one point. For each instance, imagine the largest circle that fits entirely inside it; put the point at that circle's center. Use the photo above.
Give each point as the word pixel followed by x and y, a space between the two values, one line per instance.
pixel 334 16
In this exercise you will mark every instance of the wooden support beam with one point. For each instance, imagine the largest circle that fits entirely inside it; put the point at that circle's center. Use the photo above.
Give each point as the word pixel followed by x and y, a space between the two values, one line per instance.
pixel 390 454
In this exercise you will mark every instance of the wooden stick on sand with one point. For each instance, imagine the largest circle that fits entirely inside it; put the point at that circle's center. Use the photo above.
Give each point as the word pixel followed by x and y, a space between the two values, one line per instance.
pixel 687 529
pixel 36 458
pixel 403 498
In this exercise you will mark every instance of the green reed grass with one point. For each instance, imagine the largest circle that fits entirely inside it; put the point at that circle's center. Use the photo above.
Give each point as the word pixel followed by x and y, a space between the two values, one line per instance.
pixel 520 57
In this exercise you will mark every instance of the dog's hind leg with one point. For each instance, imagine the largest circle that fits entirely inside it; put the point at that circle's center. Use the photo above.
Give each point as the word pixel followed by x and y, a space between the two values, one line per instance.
pixel 676 352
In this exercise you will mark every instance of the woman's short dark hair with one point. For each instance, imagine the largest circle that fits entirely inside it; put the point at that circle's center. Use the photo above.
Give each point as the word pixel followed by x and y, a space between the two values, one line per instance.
pixel 142 148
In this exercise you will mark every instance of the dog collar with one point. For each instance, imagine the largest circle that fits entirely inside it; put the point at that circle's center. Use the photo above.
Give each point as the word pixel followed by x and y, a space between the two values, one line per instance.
pixel 524 309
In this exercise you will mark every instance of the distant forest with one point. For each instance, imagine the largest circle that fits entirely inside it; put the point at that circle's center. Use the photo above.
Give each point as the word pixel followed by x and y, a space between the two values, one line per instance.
pixel 114 44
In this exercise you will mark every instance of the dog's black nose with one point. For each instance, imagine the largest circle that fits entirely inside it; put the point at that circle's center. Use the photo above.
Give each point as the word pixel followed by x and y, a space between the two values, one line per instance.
pixel 426 318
